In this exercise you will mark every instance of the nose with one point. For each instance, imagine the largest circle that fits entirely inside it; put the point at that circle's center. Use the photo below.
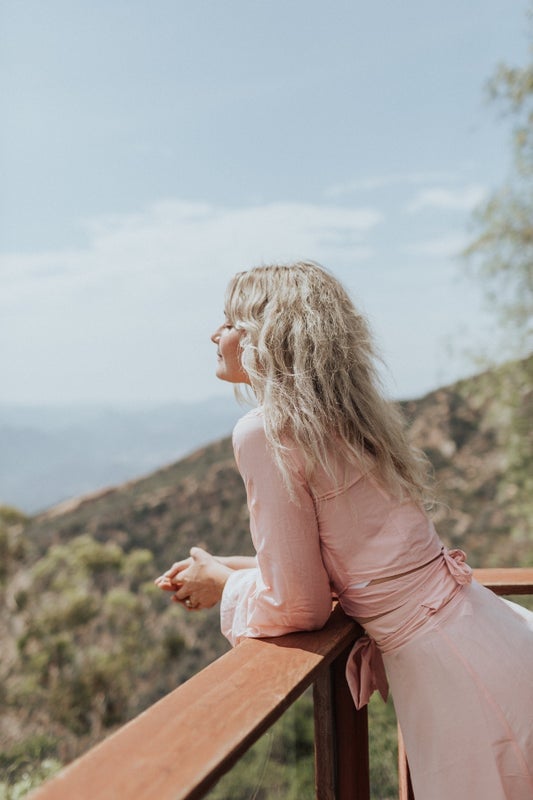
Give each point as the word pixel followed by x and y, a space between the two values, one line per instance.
pixel 215 337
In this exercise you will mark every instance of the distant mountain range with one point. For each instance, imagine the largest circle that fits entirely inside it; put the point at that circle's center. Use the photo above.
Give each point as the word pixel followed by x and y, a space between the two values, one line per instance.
pixel 48 454
pixel 468 430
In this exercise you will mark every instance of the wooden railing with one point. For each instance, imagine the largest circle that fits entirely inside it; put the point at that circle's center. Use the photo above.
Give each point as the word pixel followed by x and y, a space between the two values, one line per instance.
pixel 180 747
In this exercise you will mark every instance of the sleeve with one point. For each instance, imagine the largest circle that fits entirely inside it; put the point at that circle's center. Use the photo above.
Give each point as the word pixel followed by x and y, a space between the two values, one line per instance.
pixel 289 590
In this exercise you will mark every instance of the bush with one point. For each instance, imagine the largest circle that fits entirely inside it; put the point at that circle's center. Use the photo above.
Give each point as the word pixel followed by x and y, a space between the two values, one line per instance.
pixel 138 567
pixel 71 610
pixel 25 757
pixel 173 644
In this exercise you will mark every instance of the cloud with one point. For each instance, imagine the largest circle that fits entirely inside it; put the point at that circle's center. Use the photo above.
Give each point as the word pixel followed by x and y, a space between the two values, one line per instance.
pixel 130 313
pixel 195 237
pixel 448 246
pixel 464 198
pixel 339 190
pixel 128 316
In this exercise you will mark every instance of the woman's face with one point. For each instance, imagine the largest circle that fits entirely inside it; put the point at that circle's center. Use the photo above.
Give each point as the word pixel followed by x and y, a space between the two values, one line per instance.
pixel 229 367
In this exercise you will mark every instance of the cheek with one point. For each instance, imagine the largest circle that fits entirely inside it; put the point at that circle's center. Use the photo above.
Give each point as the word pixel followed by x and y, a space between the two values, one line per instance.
pixel 229 347
pixel 235 356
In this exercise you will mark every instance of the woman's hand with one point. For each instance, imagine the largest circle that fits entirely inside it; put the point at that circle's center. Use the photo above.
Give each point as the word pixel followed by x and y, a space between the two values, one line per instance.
pixel 197 582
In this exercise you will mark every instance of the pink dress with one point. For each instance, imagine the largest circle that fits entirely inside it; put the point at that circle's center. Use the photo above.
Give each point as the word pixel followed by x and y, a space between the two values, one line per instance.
pixel 459 660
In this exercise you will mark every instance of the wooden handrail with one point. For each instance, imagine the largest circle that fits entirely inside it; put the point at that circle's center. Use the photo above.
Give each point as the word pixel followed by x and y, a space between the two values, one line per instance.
pixel 180 747
pixel 506 580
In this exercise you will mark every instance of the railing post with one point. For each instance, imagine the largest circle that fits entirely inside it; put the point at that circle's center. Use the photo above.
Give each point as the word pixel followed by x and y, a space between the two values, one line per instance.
pixel 341 738
pixel 405 788
pixel 325 758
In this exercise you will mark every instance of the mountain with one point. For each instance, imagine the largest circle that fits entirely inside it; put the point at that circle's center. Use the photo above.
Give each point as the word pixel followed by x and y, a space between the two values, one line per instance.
pixel 48 454
pixel 466 429
pixel 87 641
pixel 478 435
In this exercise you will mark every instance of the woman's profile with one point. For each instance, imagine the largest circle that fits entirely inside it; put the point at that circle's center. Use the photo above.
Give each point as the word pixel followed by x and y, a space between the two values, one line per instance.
pixel 336 498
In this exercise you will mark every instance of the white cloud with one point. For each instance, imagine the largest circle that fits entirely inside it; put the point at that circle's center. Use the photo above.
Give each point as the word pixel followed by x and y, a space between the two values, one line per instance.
pixel 448 247
pixel 131 313
pixel 339 190
pixel 195 236
pixel 464 198
pixel 129 316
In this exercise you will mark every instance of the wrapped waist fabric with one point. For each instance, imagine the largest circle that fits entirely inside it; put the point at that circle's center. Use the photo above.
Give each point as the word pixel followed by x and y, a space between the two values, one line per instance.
pixel 396 611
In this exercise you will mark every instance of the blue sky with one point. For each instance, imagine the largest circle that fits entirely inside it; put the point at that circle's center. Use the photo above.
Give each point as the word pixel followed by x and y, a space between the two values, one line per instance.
pixel 151 149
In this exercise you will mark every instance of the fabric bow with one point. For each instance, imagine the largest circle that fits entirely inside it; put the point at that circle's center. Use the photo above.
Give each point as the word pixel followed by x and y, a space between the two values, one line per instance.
pixel 456 563
pixel 365 672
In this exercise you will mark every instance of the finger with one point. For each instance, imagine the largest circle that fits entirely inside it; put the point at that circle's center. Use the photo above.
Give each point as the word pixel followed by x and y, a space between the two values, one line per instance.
pixel 186 602
pixel 177 567
pixel 183 589
pixel 199 554
pixel 167 579
pixel 180 602
pixel 166 584
pixel 182 593
pixel 189 603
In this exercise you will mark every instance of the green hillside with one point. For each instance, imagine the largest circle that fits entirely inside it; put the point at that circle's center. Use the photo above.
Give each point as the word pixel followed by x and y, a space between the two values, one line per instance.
pixel 87 641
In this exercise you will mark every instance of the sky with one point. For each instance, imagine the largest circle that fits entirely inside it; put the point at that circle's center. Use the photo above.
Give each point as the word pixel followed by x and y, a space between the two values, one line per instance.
pixel 149 150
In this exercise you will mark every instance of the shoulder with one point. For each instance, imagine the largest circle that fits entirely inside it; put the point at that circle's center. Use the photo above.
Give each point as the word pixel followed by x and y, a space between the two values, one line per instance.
pixel 254 453
pixel 249 431
pixel 254 419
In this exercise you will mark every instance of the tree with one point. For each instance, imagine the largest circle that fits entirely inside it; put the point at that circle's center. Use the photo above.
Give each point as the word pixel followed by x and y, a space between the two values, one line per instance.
pixel 502 257
pixel 502 252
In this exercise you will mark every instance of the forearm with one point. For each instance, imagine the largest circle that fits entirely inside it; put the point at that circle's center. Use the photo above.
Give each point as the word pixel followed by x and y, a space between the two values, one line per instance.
pixel 238 562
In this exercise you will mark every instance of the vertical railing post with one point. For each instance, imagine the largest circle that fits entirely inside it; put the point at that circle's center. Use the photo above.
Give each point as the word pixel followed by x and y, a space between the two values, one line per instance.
pixel 341 738
pixel 325 755
pixel 405 788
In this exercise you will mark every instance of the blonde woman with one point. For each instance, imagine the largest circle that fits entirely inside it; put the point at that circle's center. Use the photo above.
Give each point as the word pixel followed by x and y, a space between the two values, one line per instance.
pixel 336 497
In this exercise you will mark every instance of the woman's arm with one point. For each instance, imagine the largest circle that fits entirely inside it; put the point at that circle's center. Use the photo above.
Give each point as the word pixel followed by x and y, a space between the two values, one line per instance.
pixel 289 590
pixel 237 562
pixel 286 587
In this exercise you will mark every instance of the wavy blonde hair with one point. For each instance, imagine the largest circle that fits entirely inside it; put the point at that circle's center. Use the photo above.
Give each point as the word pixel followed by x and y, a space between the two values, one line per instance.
pixel 310 358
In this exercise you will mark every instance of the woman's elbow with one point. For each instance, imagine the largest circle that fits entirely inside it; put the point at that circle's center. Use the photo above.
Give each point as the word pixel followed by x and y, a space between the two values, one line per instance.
pixel 314 618
pixel 324 615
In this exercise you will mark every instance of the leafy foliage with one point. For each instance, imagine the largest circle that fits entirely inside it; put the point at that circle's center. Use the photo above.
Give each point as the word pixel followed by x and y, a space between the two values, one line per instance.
pixel 94 646
pixel 12 548
pixel 502 258
pixel 280 764
pixel 26 764
pixel 502 252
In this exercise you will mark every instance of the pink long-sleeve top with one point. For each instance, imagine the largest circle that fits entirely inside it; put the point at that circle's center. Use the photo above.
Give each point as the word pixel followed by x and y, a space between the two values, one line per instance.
pixel 340 535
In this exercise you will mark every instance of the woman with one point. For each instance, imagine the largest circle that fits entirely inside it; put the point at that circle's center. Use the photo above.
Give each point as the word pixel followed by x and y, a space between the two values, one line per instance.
pixel 336 497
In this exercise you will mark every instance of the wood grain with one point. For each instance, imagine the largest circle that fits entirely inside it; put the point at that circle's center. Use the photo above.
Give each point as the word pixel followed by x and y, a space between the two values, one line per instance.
pixel 183 744
pixel 510 580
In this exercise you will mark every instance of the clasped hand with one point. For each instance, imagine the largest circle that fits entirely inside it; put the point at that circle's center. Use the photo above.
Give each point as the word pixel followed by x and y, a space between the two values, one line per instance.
pixel 196 582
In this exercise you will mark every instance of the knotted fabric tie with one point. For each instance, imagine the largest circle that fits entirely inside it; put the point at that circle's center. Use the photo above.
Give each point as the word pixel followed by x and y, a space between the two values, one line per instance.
pixel 365 672
pixel 456 563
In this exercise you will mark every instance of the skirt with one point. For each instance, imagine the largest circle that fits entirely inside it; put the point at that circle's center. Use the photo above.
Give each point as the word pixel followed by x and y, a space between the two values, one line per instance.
pixel 462 687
